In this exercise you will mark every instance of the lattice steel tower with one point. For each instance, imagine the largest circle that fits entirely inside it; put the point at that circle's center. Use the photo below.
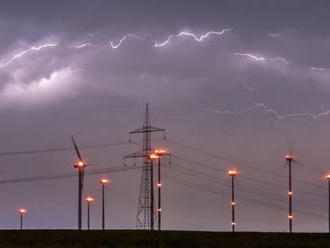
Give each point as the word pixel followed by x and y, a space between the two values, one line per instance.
pixel 145 218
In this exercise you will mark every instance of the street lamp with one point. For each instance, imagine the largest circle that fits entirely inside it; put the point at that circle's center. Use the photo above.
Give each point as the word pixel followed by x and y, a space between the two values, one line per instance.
pixel 89 200
pixel 103 182
pixel 21 212
pixel 233 173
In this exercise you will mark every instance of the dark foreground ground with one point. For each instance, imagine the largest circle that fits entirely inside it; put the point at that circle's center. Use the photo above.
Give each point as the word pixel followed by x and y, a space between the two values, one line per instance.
pixel 107 239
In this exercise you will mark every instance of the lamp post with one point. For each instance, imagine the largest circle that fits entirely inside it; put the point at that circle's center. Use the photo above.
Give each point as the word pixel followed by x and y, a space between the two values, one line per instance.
pixel 103 182
pixel 328 178
pixel 80 165
pixel 89 200
pixel 290 158
pixel 232 173
pixel 21 212
pixel 160 152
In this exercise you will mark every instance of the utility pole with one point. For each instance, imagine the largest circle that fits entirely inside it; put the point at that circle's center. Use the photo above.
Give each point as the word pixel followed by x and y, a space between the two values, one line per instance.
pixel 80 165
pixel 145 212
pixel 232 173
pixel 328 178
pixel 290 158
pixel 103 182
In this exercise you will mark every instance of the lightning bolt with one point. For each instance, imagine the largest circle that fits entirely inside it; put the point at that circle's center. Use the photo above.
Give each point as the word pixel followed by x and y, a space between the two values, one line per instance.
pixel 31 49
pixel 82 45
pixel 262 59
pixel 274 35
pixel 281 59
pixel 192 35
pixel 125 37
pixel 318 69
pixel 39 48
pixel 251 56
pixel 264 107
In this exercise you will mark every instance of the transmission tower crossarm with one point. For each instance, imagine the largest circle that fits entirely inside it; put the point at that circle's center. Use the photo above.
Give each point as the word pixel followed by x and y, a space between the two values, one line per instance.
pixel 138 154
pixel 148 129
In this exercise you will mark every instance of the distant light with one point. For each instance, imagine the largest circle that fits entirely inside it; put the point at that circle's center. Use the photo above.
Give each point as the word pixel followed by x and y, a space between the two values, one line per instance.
pixel 327 176
pixel 159 185
pixel 80 164
pixel 290 217
pixel 159 209
pixel 22 211
pixel 290 193
pixel 89 199
pixel 289 157
pixel 104 181
pixel 153 156
pixel 233 203
pixel 232 172
pixel 233 223
pixel 161 151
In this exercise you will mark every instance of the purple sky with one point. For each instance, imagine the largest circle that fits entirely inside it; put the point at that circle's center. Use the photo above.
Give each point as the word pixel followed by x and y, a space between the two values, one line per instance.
pixel 241 80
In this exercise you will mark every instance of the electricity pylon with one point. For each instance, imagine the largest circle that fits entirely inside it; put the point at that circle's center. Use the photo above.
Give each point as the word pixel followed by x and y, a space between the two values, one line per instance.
pixel 145 213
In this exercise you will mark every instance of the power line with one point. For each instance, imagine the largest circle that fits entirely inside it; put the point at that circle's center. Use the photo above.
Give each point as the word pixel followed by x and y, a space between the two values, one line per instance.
pixel 243 187
pixel 239 163
pixel 221 193
pixel 249 189
pixel 66 175
pixel 60 149
pixel 244 176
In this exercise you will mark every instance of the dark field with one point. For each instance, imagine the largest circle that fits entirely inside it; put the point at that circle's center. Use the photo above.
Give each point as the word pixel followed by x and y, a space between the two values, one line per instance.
pixel 103 239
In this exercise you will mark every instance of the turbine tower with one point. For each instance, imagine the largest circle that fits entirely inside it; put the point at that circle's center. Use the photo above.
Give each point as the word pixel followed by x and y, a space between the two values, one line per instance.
pixel 80 165
pixel 145 218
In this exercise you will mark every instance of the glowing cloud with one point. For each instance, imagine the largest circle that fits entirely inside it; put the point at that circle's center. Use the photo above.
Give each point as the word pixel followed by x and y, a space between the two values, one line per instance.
pixel 44 90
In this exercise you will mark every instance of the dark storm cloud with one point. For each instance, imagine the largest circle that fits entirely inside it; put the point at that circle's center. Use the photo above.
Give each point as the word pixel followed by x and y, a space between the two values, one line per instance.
pixel 59 75
pixel 90 15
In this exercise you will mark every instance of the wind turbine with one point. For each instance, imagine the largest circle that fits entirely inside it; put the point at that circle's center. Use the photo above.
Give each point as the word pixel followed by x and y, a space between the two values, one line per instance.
pixel 80 165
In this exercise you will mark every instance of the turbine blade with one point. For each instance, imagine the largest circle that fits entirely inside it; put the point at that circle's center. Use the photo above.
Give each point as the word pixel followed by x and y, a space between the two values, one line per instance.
pixel 76 148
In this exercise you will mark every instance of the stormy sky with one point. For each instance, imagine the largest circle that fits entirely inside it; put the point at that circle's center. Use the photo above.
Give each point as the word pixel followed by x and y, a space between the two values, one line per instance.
pixel 236 84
